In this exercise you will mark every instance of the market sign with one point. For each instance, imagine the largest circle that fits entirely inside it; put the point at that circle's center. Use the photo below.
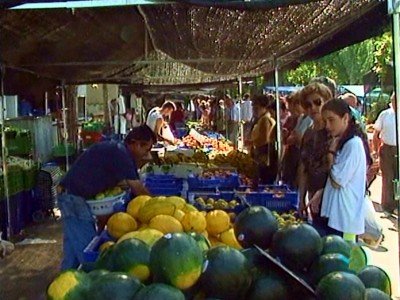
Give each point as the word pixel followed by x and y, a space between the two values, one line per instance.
pixel 393 6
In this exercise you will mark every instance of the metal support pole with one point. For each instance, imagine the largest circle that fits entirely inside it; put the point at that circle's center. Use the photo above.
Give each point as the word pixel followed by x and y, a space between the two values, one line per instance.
pixel 46 103
pixel 278 115
pixel 241 128
pixel 4 151
pixel 64 116
pixel 396 65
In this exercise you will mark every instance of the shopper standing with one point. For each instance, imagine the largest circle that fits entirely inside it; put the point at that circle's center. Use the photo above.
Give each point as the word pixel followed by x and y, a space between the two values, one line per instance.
pixel 263 138
pixel 314 169
pixel 385 147
pixel 343 201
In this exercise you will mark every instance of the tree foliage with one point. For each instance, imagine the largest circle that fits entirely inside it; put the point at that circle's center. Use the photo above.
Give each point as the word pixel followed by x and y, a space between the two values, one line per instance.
pixel 348 65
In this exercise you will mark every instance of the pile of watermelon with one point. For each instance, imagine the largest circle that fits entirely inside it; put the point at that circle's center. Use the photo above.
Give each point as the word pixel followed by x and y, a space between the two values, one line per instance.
pixel 185 266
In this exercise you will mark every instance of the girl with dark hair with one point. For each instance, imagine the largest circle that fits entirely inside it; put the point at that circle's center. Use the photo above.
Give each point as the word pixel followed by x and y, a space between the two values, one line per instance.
pixel 348 156
pixel 263 140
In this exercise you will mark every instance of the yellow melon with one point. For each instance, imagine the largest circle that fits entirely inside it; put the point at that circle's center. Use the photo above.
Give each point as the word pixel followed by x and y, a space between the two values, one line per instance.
pixel 214 241
pixel 194 221
pixel 106 245
pixel 135 204
pixel 189 208
pixel 147 235
pixel 120 223
pixel 228 238
pixel 218 221
pixel 179 214
pixel 165 224
pixel 179 202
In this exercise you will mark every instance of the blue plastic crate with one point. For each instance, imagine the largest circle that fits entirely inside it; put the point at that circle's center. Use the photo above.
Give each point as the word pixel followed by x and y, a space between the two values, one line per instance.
pixel 280 202
pixel 92 252
pixel 264 187
pixel 229 182
pixel 165 191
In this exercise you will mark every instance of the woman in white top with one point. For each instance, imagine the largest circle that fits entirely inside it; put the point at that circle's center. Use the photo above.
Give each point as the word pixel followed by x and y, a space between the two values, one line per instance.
pixel 155 120
pixel 343 196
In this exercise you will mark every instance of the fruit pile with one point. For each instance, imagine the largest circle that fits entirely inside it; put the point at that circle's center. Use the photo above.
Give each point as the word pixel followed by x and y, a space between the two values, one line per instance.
pixel 182 265
pixel 216 172
pixel 115 191
pixel 148 219
pixel 211 204
pixel 176 158
pixel 241 161
pixel 201 141
pixel 286 219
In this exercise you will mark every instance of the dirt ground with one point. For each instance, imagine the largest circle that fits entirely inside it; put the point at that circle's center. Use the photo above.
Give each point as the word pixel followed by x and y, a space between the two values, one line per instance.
pixel 27 272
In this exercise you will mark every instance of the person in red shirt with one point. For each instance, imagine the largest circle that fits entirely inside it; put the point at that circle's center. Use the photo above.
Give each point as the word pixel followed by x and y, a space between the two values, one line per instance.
pixel 177 116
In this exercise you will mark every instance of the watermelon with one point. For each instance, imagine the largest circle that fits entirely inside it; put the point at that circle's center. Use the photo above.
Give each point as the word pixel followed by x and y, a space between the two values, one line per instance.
pixel 114 286
pixel 176 259
pixel 358 259
pixel 255 225
pixel 328 263
pixel 375 294
pixel 335 244
pixel 201 240
pixel 159 291
pixel 297 246
pixel 131 256
pixel 69 285
pixel 97 273
pixel 258 263
pixel 270 287
pixel 226 273
pixel 375 277
pixel 340 285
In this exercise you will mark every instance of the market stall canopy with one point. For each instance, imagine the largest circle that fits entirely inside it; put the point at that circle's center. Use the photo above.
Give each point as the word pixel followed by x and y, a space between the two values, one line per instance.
pixel 111 44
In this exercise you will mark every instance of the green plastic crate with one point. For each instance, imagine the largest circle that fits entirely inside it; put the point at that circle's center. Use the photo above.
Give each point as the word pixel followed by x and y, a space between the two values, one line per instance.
pixel 22 144
pixel 60 151
pixel 29 178
pixel 15 182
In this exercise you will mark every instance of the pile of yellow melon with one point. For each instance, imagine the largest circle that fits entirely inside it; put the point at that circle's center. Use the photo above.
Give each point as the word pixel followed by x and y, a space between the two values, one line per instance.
pixel 149 218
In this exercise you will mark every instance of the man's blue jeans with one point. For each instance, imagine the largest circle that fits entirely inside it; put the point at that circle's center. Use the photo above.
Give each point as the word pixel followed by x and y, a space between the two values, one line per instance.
pixel 78 229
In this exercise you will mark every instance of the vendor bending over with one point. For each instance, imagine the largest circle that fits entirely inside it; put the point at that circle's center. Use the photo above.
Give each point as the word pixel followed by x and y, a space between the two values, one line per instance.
pixel 102 166
pixel 156 120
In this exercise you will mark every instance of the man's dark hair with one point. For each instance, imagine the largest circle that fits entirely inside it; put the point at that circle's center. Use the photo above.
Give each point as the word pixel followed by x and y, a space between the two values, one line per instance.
pixel 142 133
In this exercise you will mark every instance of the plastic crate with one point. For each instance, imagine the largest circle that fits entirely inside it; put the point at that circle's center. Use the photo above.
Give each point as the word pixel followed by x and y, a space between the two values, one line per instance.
pixel 165 191
pixel 61 151
pixel 29 177
pixel 15 182
pixel 164 185
pixel 21 144
pixel 230 182
pixel 280 201
pixel 263 187
pixel 90 137
pixel 92 252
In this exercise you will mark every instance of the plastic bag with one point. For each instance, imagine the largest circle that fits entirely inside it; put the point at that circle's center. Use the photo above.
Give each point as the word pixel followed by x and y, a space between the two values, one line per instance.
pixel 372 227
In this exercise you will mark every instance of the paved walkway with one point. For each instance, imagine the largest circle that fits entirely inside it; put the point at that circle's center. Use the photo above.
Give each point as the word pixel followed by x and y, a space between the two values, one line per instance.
pixel 388 260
